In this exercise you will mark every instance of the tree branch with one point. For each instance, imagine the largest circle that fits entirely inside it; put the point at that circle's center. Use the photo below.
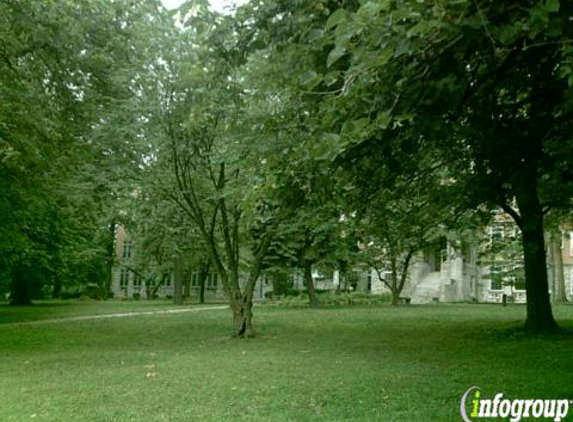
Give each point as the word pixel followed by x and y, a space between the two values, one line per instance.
pixel 513 213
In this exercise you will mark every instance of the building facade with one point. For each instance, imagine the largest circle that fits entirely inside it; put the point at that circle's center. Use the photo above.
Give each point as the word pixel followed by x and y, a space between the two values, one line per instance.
pixel 482 270
pixel 137 279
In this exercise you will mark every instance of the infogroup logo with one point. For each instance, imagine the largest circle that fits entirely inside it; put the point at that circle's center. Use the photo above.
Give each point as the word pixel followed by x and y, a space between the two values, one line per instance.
pixel 473 407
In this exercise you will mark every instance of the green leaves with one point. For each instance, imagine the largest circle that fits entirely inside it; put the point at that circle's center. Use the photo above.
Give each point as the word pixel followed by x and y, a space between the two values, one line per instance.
pixel 7 153
pixel 310 79
pixel 335 19
pixel 74 78
pixel 336 53
pixel 402 48
pixel 508 34
pixel 355 129
pixel 327 148
pixel 383 119
pixel 331 78
pixel 552 6
pixel 372 8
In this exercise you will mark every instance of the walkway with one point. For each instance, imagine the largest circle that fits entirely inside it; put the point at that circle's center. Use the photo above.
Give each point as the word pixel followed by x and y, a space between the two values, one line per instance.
pixel 116 315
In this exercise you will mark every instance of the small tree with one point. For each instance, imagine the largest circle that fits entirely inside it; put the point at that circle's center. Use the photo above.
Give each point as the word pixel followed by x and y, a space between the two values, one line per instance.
pixel 203 168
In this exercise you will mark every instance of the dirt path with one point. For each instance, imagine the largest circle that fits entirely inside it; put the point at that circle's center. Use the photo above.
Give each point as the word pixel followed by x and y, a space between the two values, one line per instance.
pixel 116 315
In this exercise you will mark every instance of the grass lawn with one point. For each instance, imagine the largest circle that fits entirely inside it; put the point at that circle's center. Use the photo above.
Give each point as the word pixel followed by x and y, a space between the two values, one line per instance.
pixel 48 309
pixel 337 364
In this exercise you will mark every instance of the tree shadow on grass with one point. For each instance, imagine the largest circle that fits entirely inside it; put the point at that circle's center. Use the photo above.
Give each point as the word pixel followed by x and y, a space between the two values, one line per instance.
pixel 518 332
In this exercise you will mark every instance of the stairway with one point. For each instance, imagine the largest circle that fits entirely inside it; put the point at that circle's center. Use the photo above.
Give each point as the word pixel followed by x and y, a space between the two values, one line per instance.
pixel 427 290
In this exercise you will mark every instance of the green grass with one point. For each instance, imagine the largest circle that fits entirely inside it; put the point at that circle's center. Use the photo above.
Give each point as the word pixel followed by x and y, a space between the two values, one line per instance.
pixel 337 364
pixel 49 309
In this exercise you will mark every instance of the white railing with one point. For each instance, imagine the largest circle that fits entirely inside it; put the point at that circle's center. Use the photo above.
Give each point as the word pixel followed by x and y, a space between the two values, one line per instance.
pixel 495 296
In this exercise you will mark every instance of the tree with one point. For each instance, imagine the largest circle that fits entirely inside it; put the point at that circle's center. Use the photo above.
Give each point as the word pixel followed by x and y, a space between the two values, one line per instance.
pixel 309 225
pixel 483 86
pixel 388 241
pixel 302 190
pixel 165 243
pixel 69 74
pixel 503 253
pixel 556 222
pixel 560 290
pixel 204 168
pixel 398 204
pixel 203 189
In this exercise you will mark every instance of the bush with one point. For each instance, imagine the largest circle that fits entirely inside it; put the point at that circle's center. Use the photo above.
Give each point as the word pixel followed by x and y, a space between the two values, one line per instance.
pixel 93 291
pixel 71 294
pixel 332 299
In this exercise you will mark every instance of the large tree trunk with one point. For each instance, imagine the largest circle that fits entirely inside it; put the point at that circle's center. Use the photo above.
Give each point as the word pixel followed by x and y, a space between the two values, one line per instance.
pixel 178 282
pixel 202 282
pixel 394 288
pixel 203 273
pixel 560 294
pixel 187 287
pixel 243 312
pixel 148 293
pixel 279 281
pixel 397 284
pixel 242 317
pixel 313 299
pixel 539 315
pixel 239 302
pixel 243 309
pixel 395 298
pixel 110 252
pixel 57 292
pixel 20 288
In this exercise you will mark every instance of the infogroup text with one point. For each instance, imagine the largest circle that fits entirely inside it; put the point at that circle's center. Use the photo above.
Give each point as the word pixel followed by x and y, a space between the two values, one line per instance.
pixel 473 407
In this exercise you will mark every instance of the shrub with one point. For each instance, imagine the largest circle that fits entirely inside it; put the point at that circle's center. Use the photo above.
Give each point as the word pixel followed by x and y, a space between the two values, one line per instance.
pixel 332 299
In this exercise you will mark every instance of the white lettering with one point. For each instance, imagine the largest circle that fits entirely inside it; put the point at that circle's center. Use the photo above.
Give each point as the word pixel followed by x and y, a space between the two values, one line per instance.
pixel 537 410
pixel 484 408
pixel 549 411
pixel 504 408
pixel 516 410
pixel 496 401
pixel 528 404
pixel 562 409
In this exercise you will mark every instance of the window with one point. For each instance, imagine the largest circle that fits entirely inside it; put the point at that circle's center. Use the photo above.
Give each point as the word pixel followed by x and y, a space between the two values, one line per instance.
pixel 473 283
pixel 124 278
pixel 212 280
pixel 496 278
pixel 388 276
pixel 127 250
pixel 571 243
pixel 519 283
pixel 194 279
pixel 136 284
pixel 496 234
